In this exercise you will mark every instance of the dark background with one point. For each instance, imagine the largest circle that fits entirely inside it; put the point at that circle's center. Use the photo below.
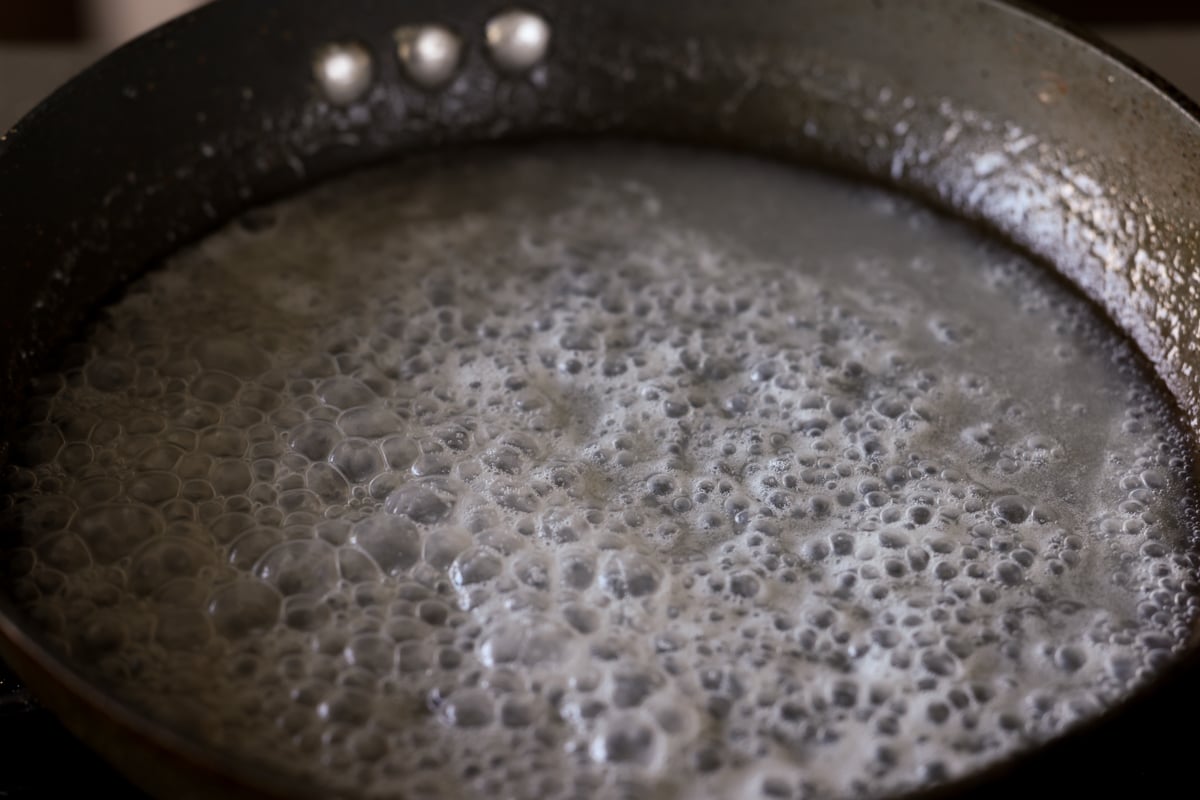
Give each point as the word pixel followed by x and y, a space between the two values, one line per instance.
pixel 67 20
pixel 1125 11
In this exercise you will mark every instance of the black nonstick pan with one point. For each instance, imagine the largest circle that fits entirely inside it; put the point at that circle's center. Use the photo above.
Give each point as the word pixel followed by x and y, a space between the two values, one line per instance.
pixel 241 103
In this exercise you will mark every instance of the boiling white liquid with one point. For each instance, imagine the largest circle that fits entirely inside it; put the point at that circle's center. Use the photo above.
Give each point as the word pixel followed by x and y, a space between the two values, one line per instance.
pixel 602 473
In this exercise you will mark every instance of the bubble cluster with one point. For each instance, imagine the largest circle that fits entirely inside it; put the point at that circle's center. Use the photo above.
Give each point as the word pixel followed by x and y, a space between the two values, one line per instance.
pixel 604 473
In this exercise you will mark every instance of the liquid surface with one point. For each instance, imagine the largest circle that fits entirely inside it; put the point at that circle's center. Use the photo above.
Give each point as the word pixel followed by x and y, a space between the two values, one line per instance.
pixel 605 473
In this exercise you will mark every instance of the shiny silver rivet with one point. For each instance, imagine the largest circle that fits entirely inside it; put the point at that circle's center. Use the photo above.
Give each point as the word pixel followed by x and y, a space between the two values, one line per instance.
pixel 518 40
pixel 344 71
pixel 429 53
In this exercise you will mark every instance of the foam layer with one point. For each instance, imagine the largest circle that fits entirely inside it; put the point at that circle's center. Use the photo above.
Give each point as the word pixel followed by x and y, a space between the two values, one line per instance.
pixel 604 473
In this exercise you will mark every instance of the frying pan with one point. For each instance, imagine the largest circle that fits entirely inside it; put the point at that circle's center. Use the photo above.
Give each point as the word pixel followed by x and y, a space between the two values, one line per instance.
pixel 984 109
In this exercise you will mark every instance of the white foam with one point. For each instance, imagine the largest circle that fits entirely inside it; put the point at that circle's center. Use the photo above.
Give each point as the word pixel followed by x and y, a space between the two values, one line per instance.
pixel 605 473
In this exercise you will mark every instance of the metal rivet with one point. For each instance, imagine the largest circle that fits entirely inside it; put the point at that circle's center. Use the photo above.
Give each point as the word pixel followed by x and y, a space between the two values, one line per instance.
pixel 518 40
pixel 344 71
pixel 429 53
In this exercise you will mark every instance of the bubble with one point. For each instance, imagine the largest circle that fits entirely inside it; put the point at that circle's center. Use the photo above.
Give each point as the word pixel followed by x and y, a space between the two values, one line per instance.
pixel 469 708
pixel 1012 509
pixel 342 392
pixel 518 713
pixel 41 514
pixel 305 613
pixel 235 356
pixel 223 441
pixel 184 629
pixel 577 570
pixel 625 739
pixel 745 585
pixel 110 373
pixel 476 565
pixel 357 459
pixel 675 409
pixel 632 688
pixel 1069 659
pixel 583 619
pixel 314 439
pixel 400 452
pixel 161 561
pixel 215 387
pixel 375 654
pixel 1009 573
pixel 248 547
pixel 64 551
pixel 357 567
pixel 503 459
pixel 243 607
pixel 230 477
pixel 113 531
pixel 427 501
pixel 502 645
pixel 346 706
pixel 393 542
pixel 630 574
pixel 842 543
pixel 442 545
pixel 369 422
pixel 154 487
pixel 326 483
pixel 1153 479
pixel 307 566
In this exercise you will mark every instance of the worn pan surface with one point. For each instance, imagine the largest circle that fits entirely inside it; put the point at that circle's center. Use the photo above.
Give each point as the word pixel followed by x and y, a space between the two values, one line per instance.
pixel 980 107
